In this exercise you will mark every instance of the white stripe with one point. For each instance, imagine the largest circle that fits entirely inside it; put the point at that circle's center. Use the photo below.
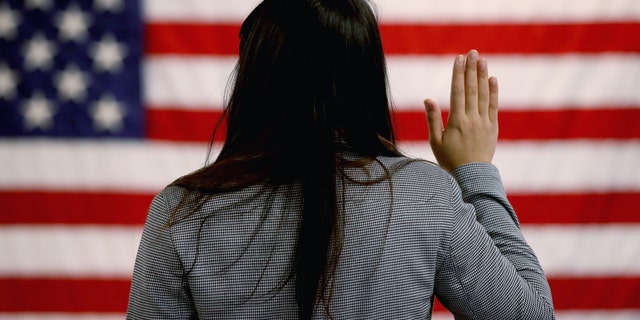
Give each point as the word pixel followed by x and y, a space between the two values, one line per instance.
pixel 598 315
pixel 526 82
pixel 90 165
pixel 422 11
pixel 526 167
pixel 68 251
pixel 586 250
pixel 442 315
pixel 186 82
pixel 107 252
pixel 561 166
pixel 198 10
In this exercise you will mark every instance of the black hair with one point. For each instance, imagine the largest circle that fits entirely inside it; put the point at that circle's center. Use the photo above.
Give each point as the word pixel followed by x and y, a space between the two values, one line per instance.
pixel 310 85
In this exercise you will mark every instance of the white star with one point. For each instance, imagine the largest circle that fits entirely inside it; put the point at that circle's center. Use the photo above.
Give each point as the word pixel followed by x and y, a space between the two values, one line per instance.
pixel 73 24
pixel 108 5
pixel 38 53
pixel 38 113
pixel 9 21
pixel 72 84
pixel 107 114
pixel 107 54
pixel 43 5
pixel 8 82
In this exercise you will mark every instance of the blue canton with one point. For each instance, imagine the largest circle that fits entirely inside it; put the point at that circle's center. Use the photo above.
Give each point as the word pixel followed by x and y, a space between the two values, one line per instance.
pixel 71 68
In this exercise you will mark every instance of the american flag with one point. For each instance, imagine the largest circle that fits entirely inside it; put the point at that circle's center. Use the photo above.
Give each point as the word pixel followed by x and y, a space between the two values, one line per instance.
pixel 104 102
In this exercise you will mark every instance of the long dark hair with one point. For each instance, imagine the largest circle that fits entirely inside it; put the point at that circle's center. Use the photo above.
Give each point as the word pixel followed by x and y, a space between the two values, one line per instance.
pixel 310 86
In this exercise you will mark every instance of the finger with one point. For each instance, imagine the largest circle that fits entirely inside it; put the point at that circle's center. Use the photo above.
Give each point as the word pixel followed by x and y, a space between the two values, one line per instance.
pixel 483 87
pixel 457 88
pixel 471 83
pixel 434 122
pixel 493 100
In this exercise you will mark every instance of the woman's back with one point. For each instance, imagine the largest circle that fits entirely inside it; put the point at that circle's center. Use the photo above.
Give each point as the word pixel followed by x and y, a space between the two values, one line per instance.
pixel 403 239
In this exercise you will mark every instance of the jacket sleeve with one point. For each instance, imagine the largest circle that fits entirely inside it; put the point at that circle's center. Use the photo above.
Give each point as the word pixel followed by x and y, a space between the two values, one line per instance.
pixel 490 272
pixel 159 289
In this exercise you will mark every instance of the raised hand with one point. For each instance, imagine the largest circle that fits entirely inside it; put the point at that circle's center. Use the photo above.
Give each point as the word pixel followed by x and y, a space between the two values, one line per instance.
pixel 471 134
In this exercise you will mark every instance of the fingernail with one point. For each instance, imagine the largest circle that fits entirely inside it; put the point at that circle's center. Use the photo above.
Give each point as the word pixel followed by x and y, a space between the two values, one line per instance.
pixel 460 60
pixel 473 55
pixel 428 105
pixel 482 64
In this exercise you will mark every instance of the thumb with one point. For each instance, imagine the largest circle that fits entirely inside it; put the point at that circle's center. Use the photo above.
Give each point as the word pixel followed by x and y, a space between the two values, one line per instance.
pixel 434 121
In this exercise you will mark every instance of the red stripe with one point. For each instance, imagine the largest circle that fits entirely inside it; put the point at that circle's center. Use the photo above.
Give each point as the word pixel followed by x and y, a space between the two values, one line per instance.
pixel 42 207
pixel 576 208
pixel 179 38
pixel 63 295
pixel 222 39
pixel 131 209
pixel 183 125
pixel 85 295
pixel 595 293
pixel 606 123
pixel 437 306
pixel 541 125
pixel 511 38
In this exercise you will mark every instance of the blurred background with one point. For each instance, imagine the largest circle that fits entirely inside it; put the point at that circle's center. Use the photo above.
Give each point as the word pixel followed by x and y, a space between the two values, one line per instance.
pixel 104 102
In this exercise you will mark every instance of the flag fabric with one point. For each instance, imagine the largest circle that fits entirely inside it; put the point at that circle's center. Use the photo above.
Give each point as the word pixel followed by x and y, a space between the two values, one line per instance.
pixel 104 102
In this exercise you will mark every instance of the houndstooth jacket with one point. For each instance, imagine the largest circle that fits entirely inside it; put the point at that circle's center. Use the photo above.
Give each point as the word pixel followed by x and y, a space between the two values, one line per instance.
pixel 427 233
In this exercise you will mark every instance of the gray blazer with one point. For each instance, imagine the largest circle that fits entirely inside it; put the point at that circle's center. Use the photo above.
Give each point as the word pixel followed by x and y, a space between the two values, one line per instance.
pixel 427 233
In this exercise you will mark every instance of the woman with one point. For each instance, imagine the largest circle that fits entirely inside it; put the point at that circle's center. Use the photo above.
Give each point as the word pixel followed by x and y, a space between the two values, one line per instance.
pixel 310 210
